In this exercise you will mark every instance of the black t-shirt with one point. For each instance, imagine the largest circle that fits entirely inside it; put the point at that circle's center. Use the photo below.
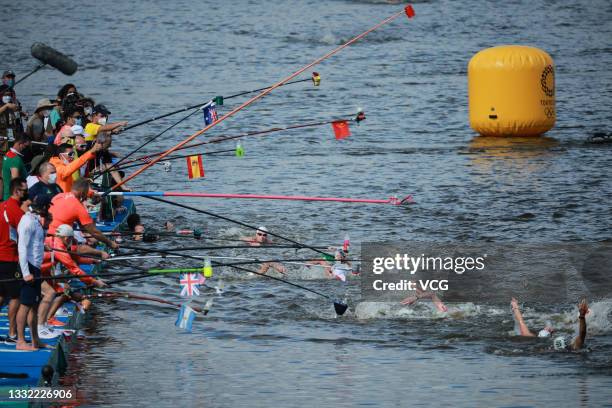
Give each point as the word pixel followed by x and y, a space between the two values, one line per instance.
pixel 41 188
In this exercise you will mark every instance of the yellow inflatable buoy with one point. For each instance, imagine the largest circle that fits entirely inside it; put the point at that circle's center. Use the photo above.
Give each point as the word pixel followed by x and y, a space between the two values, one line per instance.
pixel 511 91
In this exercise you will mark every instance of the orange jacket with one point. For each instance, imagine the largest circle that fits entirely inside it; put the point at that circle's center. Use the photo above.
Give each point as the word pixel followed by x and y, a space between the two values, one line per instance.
pixel 65 171
pixel 66 259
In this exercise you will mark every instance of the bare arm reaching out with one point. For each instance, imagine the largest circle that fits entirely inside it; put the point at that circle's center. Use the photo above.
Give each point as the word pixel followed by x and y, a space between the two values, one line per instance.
pixel 518 316
pixel 578 342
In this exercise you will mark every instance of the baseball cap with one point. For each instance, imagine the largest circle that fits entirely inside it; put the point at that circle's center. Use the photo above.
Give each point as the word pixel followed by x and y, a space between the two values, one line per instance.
pixel 101 109
pixel 64 230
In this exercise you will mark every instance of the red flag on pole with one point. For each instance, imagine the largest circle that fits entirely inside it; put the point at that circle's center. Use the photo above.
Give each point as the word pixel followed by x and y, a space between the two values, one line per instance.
pixel 341 129
pixel 195 168
pixel 409 11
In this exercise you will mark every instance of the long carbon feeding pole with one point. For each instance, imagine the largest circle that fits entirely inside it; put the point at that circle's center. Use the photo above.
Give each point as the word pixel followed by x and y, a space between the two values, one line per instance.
pixel 261 95
pixel 222 217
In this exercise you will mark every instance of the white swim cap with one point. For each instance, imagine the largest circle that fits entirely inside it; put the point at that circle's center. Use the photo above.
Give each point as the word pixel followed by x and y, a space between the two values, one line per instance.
pixel 262 229
pixel 544 333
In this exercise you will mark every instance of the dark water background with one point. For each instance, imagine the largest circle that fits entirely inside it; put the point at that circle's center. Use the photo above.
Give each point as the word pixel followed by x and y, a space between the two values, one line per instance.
pixel 266 344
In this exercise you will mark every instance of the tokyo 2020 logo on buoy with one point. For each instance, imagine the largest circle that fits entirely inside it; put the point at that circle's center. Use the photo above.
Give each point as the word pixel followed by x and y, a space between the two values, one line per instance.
pixel 548 81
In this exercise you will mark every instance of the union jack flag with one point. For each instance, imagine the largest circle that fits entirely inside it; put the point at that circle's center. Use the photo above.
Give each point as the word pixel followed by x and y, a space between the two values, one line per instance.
pixel 190 284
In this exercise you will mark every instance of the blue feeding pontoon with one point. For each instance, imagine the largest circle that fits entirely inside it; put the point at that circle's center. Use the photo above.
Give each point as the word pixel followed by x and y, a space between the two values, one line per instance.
pixel 22 369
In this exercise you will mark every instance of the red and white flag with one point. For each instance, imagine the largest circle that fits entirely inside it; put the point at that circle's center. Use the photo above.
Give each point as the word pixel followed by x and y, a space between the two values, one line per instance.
pixel 190 284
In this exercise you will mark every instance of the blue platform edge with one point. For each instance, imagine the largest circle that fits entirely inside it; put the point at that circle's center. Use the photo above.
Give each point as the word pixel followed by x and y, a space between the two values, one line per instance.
pixel 23 368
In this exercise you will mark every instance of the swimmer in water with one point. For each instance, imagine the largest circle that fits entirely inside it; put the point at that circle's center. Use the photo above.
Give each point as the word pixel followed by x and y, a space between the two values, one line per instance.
pixel 261 239
pixel 420 294
pixel 341 266
pixel 560 343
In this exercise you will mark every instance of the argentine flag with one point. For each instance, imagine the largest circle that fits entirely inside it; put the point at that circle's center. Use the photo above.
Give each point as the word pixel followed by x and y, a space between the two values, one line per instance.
pixel 185 318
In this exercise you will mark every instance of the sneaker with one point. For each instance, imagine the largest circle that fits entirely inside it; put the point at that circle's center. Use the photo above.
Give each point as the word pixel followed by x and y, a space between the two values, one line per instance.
pixel 45 332
pixel 10 340
pixel 54 322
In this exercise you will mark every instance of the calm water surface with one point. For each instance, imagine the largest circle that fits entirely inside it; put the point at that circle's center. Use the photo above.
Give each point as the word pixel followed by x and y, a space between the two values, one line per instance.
pixel 266 344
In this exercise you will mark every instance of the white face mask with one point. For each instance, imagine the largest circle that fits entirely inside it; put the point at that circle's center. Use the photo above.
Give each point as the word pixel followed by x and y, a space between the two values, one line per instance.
pixel 102 121
pixel 52 178
pixel 46 113
pixel 6 99
pixel 88 110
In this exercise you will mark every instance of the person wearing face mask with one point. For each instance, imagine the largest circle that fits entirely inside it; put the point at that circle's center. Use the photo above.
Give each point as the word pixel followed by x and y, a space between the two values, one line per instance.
pixel 60 241
pixel 12 165
pixel 65 163
pixel 99 123
pixel 39 127
pixel 11 212
pixel 68 208
pixel 87 104
pixel 56 114
pixel 80 148
pixel 31 248
pixel 46 182
pixel 9 115
pixel 72 117
pixel 8 78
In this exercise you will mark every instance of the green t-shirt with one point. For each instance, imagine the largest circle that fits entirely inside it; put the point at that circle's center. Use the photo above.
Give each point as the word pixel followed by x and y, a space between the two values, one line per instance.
pixel 11 160
pixel 54 117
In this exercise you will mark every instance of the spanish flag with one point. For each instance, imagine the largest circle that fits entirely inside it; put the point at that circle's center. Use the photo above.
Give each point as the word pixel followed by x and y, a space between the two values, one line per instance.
pixel 195 168
pixel 341 129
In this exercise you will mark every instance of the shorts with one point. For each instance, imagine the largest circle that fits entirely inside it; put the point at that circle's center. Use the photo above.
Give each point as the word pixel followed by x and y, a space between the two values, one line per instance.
pixel 30 291
pixel 10 270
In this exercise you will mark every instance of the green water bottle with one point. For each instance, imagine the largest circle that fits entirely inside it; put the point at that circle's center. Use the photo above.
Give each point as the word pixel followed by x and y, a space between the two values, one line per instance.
pixel 239 150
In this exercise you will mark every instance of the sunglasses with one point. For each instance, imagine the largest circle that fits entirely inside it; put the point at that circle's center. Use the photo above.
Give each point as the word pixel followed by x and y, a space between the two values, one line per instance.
pixel 261 234
pixel 69 154
pixel 81 146
pixel 77 117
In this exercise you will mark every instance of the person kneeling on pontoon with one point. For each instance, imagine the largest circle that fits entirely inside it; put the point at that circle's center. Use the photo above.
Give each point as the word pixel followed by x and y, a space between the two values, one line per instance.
pixel 560 343
pixel 58 256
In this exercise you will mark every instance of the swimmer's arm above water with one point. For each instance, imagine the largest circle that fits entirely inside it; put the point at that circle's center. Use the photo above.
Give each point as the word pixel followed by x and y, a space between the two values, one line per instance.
pixel 578 342
pixel 518 316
